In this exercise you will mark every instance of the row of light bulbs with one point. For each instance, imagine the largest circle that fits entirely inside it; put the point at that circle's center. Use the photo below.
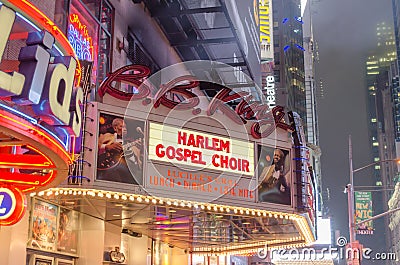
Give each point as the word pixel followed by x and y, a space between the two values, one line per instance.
pixel 244 251
pixel 299 221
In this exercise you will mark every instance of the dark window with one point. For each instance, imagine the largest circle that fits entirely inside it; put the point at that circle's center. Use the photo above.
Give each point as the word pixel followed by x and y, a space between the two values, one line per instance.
pixel 138 55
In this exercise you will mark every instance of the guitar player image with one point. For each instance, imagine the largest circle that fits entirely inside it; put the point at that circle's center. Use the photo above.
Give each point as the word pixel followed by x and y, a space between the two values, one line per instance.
pixel 120 150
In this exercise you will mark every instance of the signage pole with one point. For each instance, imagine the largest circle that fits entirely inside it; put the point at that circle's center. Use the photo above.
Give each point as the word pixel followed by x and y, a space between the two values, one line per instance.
pixel 350 195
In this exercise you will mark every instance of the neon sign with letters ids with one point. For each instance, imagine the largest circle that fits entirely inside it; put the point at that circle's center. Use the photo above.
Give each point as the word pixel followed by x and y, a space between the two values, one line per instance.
pixel 40 82
pixel 39 100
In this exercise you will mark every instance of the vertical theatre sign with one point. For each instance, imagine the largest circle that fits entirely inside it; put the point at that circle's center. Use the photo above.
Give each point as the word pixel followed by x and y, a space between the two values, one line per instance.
pixel 363 201
pixel 40 107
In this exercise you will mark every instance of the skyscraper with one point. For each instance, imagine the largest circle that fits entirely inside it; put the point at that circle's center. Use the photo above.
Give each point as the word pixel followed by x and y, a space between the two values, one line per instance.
pixel 381 126
pixel 289 54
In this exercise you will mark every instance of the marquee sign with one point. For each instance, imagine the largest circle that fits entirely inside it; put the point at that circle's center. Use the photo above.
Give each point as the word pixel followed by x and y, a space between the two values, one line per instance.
pixel 196 149
pixel 197 184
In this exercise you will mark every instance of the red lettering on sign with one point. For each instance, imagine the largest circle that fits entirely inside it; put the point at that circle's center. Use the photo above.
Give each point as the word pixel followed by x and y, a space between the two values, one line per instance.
pixel 190 100
pixel 135 78
pixel 247 109
pixel 220 102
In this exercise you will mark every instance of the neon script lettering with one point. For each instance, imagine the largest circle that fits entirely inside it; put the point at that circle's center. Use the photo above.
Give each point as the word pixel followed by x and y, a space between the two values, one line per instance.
pixel 260 114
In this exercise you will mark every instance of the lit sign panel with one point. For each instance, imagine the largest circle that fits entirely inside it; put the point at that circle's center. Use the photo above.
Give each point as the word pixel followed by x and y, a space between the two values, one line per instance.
pixel 79 38
pixel 196 149
pixel 201 185
pixel 266 36
pixel 270 91
pixel 363 200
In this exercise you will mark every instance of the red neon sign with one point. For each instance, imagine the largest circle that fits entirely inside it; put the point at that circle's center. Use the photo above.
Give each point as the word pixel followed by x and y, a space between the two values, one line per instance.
pixel 246 110
pixel 79 38
pixel 12 205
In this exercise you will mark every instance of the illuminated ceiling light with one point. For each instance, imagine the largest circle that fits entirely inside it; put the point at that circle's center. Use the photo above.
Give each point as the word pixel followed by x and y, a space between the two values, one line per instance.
pixel 124 197
pixel 147 200
pixel 139 199
pixel 108 195
pixel 208 207
pixel 79 192
pixel 154 201
pixel 176 203
pixel 215 208
pixel 202 207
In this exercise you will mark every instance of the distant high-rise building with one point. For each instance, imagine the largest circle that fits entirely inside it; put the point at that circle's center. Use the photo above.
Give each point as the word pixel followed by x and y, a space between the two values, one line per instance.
pixel 381 126
pixel 289 55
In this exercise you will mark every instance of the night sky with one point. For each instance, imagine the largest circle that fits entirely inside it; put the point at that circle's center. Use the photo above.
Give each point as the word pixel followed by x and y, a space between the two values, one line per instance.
pixel 344 30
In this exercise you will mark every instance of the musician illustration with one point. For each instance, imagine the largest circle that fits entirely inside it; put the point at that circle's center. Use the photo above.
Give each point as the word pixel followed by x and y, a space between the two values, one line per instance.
pixel 120 156
pixel 275 180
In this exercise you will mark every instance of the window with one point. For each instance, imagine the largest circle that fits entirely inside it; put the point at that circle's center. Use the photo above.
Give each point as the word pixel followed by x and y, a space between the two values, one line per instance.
pixel 138 55
pixel 106 20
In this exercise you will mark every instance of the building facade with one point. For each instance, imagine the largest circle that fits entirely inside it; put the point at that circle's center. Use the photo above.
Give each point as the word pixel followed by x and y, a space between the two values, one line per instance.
pixel 382 124
pixel 171 157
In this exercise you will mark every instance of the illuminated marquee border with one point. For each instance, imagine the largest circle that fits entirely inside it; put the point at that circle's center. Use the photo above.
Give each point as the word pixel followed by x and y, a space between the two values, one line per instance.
pixel 301 222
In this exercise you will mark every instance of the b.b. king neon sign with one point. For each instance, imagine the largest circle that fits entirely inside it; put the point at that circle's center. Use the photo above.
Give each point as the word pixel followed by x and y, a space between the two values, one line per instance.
pixel 79 38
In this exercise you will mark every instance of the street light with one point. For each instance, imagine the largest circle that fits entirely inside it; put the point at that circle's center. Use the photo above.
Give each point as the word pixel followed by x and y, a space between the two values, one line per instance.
pixel 350 193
